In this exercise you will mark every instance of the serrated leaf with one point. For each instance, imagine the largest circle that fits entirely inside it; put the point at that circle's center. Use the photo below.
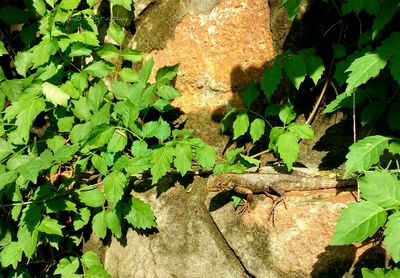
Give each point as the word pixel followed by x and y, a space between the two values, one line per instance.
pixel 128 75
pixel 295 68
pixel 357 222
pixel 303 131
pixel 288 148
pixel 69 4
pixel 365 153
pixel 97 271
pixel 250 94
pixel 108 52
pixel 50 226
pixel 23 61
pixel 3 50
pixel 99 69
pixel 274 136
pixel 125 3
pixel 133 55
pixel 371 6
pixel 92 197
pixel 11 255
pixel 99 136
pixel 55 94
pixel 388 10
pixel 240 125
pixel 392 240
pixel 161 159
pixel 232 155
pixel 86 37
pixel 168 92
pixel 183 158
pixel 117 33
pixel 206 156
pixel 67 266
pixel 372 111
pixel 271 79
pixel 5 149
pixel 257 129
pixel 286 113
pixel 394 147
pixel 27 240
pixel 100 164
pixel 99 224
pixel 79 132
pixel 81 218
pixel 140 215
pixel 292 6
pixel 226 121
pixel 118 141
pixel 65 124
pixel 248 161
pixel 380 273
pixel 315 68
pixel 145 71
pixel 90 259
pixel 42 52
pixel 166 74
pixel 363 69
pixel 114 185
pixel 380 188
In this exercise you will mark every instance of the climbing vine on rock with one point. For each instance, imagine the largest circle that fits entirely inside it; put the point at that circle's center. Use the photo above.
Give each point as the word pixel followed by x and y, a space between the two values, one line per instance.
pixel 78 124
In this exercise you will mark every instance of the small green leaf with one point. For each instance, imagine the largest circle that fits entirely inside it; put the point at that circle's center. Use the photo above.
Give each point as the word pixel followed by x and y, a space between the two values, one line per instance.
pixel 232 155
pixel 286 113
pixel 118 142
pixel 295 68
pixel 97 271
pixel 50 226
pixel 11 255
pixel 98 69
pixel 394 147
pixel 363 69
pixel 100 164
pixel 90 259
pixel 114 224
pixel 133 55
pixel 92 197
pixel 167 92
pixel 292 6
pixel 161 159
pixel 67 266
pixel 27 240
pixel 125 3
pixel 3 50
pixel 357 222
pixel 250 94
pixel 339 51
pixel 146 70
pixel 365 153
pixel 99 136
pixel 391 240
pixel 65 124
pixel 128 75
pixel 240 125
pixel 288 148
pixel 114 185
pixel 315 68
pixel 5 149
pixel 85 37
pixel 99 224
pixel 274 135
pixel 117 33
pixel 303 131
pixel 206 156
pixel 257 129
pixel 248 161
pixel 271 79
pixel 380 273
pixel 166 74
pixel 81 218
pixel 140 215
pixel 108 52
pixel 79 132
pixel 69 4
pixel 380 188
pixel 183 158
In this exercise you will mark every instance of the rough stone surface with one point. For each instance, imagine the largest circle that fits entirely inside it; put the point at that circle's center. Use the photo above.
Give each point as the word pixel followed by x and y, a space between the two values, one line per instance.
pixel 186 243
pixel 220 48
pixel 297 243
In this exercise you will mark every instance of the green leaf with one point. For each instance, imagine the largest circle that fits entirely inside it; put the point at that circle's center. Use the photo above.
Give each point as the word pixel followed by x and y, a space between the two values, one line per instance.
pixel 380 188
pixel 392 240
pixel 55 143
pixel 380 273
pixel 145 71
pixel 133 55
pixel 166 74
pixel 81 218
pixel 357 222
pixel 271 79
pixel 248 161
pixel 292 6
pixel 11 255
pixel 286 113
pixel 373 111
pixel 99 69
pixel 128 112
pixel 114 224
pixel 140 215
pixel 79 132
pixel 167 92
pixel 3 50
pixel 288 148
pixel 257 129
pixel 388 10
pixel 118 142
pixel 114 185
pixel 50 226
pixel 100 164
pixel 395 68
pixel 55 95
pixel 139 148
pixel 69 4
pixel 339 51
pixel 125 3
pixel 5 149
pixel 394 147
pixel 86 37
pixel 250 94
pixel 365 153
pixel 128 75
pixel 99 136
pixel 27 240
pixel 371 6
pixel 90 259
pixel 295 68
pixel 315 67
pixel 240 125
pixel 206 156
pixel 23 61
pixel 232 155
pixel 97 271
pixel 303 131
pixel 42 52
pixel 117 33
pixel 161 159
pixel 108 52
pixel 67 266
pixel 183 158
pixel 99 224
pixel 92 197
pixel 363 69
